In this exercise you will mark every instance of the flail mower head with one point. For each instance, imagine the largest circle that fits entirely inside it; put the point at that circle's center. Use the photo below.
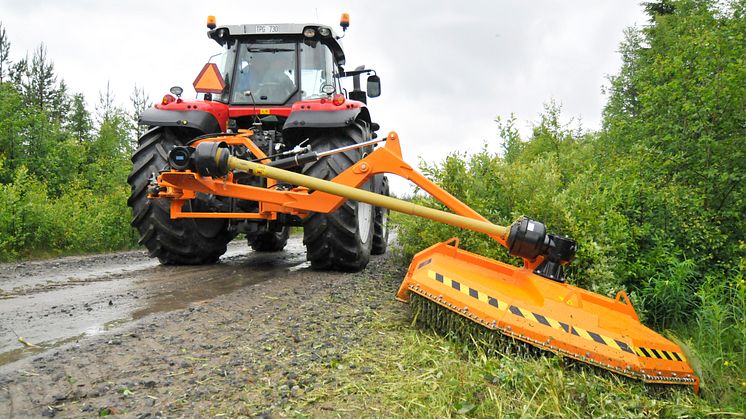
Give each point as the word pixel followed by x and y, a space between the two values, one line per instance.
pixel 532 303
pixel 548 314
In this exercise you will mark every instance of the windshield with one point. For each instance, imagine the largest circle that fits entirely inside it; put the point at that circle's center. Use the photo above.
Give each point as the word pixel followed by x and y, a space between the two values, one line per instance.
pixel 224 61
pixel 265 72
pixel 317 71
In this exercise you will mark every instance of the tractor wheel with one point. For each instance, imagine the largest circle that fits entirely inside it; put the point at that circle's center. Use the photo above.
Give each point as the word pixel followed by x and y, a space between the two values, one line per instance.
pixel 341 240
pixel 381 228
pixel 173 242
pixel 270 241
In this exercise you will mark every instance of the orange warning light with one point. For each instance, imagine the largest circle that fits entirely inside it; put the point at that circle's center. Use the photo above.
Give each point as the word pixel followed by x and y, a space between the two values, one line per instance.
pixel 211 22
pixel 209 80
pixel 344 21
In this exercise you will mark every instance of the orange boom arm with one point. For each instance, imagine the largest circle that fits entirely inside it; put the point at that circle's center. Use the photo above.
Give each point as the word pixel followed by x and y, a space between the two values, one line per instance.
pixel 531 303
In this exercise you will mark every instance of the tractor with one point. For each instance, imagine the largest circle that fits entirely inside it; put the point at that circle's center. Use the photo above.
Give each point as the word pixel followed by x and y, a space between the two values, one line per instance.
pixel 276 142
pixel 282 83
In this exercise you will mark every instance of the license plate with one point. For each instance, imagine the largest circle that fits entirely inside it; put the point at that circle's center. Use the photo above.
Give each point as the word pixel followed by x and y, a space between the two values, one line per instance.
pixel 267 29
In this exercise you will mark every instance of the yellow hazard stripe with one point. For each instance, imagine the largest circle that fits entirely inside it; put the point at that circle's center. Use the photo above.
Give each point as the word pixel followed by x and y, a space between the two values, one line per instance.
pixel 471 292
pixel 582 332
pixel 528 314
pixel 611 342
pixel 660 354
pixel 554 324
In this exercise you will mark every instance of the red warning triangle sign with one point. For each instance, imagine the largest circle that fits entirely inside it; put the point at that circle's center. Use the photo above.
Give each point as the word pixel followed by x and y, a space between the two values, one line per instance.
pixel 209 80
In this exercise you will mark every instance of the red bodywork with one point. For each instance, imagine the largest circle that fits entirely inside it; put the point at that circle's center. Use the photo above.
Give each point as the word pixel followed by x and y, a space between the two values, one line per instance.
pixel 222 112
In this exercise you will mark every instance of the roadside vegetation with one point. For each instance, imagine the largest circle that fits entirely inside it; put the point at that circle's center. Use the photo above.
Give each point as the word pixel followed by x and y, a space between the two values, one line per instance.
pixel 413 372
pixel 656 198
pixel 63 168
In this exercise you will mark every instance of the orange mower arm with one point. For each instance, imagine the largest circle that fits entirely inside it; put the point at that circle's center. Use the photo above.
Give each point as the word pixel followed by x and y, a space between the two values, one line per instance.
pixel 531 304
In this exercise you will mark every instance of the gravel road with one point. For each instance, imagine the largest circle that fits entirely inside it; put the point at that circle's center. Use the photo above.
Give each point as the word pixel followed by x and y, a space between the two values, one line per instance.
pixel 120 334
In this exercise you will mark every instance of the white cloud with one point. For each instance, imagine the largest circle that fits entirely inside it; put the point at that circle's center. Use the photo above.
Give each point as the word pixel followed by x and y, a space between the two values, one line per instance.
pixel 447 68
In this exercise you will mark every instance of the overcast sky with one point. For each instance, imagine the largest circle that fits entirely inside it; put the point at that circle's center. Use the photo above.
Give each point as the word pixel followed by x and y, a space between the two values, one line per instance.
pixel 447 68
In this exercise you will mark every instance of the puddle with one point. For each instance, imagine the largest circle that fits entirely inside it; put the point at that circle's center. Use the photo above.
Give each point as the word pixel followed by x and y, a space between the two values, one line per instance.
pixel 92 296
pixel 24 351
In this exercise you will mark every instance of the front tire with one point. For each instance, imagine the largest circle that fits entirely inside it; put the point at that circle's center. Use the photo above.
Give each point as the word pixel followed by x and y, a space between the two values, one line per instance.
pixel 173 242
pixel 341 240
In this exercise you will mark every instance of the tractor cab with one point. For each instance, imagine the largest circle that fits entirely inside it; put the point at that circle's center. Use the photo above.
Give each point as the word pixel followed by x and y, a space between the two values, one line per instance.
pixel 281 64
pixel 276 75
pixel 278 64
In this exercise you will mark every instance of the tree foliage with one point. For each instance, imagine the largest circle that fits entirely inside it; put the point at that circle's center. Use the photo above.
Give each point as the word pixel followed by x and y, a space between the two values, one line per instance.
pixel 655 198
pixel 62 180
pixel 680 99
pixel 4 54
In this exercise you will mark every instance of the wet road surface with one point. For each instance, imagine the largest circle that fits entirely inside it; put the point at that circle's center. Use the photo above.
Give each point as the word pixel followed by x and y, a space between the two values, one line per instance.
pixel 49 303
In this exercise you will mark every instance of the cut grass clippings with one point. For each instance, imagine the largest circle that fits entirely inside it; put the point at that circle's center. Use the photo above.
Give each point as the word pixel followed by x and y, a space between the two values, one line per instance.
pixel 412 371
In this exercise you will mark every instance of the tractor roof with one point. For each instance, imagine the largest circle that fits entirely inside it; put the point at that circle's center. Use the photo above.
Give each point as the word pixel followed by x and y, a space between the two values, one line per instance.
pixel 222 33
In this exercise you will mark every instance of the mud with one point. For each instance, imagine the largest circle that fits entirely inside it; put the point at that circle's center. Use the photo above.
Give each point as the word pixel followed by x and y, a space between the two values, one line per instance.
pixel 120 334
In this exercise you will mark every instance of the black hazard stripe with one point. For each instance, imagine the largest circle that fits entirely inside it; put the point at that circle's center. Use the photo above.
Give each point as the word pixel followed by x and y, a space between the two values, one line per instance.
pixel 597 337
pixel 541 319
pixel 660 354
pixel 472 292
pixel 576 331
pixel 623 346
pixel 536 317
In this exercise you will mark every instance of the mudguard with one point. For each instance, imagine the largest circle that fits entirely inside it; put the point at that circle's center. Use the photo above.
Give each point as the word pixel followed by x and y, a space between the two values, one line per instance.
pixel 326 115
pixel 200 120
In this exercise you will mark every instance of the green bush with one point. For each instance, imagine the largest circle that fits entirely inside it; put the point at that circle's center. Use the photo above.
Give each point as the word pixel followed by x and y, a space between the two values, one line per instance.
pixel 35 224
pixel 636 231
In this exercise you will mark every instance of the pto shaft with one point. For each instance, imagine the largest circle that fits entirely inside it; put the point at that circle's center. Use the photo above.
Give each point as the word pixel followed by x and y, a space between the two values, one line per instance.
pixel 360 195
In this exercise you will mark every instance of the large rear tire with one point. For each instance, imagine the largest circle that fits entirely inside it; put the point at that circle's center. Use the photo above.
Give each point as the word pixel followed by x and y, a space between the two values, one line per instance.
pixel 381 228
pixel 341 240
pixel 173 242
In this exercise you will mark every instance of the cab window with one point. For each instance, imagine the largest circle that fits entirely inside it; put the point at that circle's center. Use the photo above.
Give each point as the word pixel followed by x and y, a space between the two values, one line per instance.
pixel 317 71
pixel 265 73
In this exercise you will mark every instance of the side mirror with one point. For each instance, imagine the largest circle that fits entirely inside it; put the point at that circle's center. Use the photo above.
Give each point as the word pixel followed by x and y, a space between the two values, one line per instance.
pixel 374 86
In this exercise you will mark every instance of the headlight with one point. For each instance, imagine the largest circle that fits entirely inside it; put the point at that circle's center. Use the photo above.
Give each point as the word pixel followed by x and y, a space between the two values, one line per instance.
pixel 309 32
pixel 324 31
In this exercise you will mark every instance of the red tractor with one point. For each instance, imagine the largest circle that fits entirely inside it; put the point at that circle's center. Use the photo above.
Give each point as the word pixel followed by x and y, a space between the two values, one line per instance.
pixel 275 143
pixel 281 83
